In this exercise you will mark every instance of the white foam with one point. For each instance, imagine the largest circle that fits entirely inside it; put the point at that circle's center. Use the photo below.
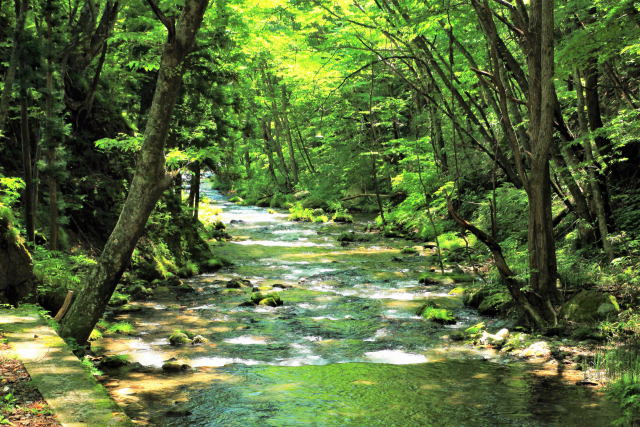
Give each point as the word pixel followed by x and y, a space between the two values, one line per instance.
pixel 395 357
pixel 247 340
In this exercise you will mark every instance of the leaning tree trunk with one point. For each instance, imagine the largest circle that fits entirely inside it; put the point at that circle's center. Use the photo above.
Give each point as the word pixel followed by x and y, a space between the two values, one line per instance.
pixel 149 181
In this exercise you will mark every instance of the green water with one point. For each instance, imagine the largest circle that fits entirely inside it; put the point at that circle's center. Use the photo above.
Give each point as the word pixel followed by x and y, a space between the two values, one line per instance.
pixel 445 393
pixel 346 348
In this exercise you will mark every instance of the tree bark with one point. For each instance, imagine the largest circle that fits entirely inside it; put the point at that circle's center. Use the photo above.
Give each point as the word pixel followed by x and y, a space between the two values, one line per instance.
pixel 27 165
pixel 149 181
pixel 542 254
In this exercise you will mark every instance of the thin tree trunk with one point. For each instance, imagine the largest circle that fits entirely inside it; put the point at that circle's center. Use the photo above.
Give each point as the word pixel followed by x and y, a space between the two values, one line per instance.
pixel 149 181
pixel 50 142
pixel 592 167
pixel 27 165
pixel 196 192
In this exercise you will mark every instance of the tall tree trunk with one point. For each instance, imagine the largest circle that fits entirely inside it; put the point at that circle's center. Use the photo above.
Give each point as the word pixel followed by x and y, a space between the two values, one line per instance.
pixel 21 7
pixel 49 135
pixel 542 254
pixel 27 165
pixel 149 181
pixel 195 187
pixel 593 172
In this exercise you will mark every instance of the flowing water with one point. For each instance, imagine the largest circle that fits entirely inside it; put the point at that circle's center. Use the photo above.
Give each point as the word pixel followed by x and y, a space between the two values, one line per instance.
pixel 346 348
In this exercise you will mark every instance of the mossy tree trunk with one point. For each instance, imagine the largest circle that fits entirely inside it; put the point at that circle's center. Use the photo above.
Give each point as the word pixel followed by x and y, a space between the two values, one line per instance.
pixel 149 181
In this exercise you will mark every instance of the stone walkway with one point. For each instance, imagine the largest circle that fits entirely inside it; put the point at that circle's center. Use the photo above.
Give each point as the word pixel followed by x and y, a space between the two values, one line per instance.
pixel 74 395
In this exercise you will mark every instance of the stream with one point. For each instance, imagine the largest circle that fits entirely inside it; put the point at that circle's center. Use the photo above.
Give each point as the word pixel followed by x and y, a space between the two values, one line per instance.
pixel 345 349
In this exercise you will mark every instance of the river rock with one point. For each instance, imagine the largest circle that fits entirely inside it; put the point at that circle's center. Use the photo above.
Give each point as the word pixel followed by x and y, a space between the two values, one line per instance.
pixel 238 283
pixel 199 339
pixel 539 349
pixel 498 339
pixel 177 339
pixel 589 306
pixel 175 365
pixel 114 362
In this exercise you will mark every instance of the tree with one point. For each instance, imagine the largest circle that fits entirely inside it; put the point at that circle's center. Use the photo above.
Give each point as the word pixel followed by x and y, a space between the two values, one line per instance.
pixel 149 181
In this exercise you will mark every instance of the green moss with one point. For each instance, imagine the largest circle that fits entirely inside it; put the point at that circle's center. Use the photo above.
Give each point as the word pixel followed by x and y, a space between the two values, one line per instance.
pixel 439 315
pixel 588 306
pixel 118 299
pixel 123 328
pixel 179 338
pixel 409 250
pixel 342 217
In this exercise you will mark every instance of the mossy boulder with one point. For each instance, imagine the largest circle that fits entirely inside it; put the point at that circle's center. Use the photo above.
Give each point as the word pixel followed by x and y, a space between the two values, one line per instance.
pixel 258 298
pixel 118 299
pixel 114 362
pixel 139 290
pixel 589 306
pixel 199 339
pixel 494 303
pixel 237 283
pixel 271 301
pixel 438 315
pixel 179 338
pixel 409 250
pixel 342 217
pixel 173 365
pixel 211 265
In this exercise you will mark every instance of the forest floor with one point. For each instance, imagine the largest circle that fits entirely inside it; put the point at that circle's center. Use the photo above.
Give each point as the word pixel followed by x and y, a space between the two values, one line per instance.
pixel 21 404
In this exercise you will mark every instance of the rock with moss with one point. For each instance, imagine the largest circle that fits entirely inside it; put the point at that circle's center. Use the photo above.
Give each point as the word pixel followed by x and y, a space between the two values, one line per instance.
pixel 237 283
pixel 539 349
pixel 118 299
pixel 211 265
pixel 494 304
pixel 174 365
pixel 409 250
pixel 139 290
pixel 496 340
pixel 258 298
pixel 271 301
pixel 114 361
pixel 589 306
pixel 179 338
pixel 342 217
pixel 199 339
pixel 438 315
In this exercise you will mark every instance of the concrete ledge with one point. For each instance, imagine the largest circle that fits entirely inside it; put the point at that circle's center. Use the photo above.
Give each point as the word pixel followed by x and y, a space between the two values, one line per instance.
pixel 74 395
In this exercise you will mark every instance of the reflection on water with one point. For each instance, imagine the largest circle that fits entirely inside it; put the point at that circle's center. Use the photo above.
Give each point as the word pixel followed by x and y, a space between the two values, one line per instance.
pixel 346 348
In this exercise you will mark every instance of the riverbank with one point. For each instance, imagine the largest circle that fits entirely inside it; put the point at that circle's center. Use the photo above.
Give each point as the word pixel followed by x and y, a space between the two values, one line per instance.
pixel 71 392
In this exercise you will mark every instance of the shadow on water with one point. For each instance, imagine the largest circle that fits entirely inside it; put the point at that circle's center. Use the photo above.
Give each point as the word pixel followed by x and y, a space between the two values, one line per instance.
pixel 346 348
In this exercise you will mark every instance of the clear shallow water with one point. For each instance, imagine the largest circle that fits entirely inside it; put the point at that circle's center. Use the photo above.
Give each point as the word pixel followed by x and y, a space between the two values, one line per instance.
pixel 345 349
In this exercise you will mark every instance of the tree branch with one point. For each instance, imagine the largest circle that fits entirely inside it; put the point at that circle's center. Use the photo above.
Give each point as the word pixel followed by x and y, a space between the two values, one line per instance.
pixel 168 22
